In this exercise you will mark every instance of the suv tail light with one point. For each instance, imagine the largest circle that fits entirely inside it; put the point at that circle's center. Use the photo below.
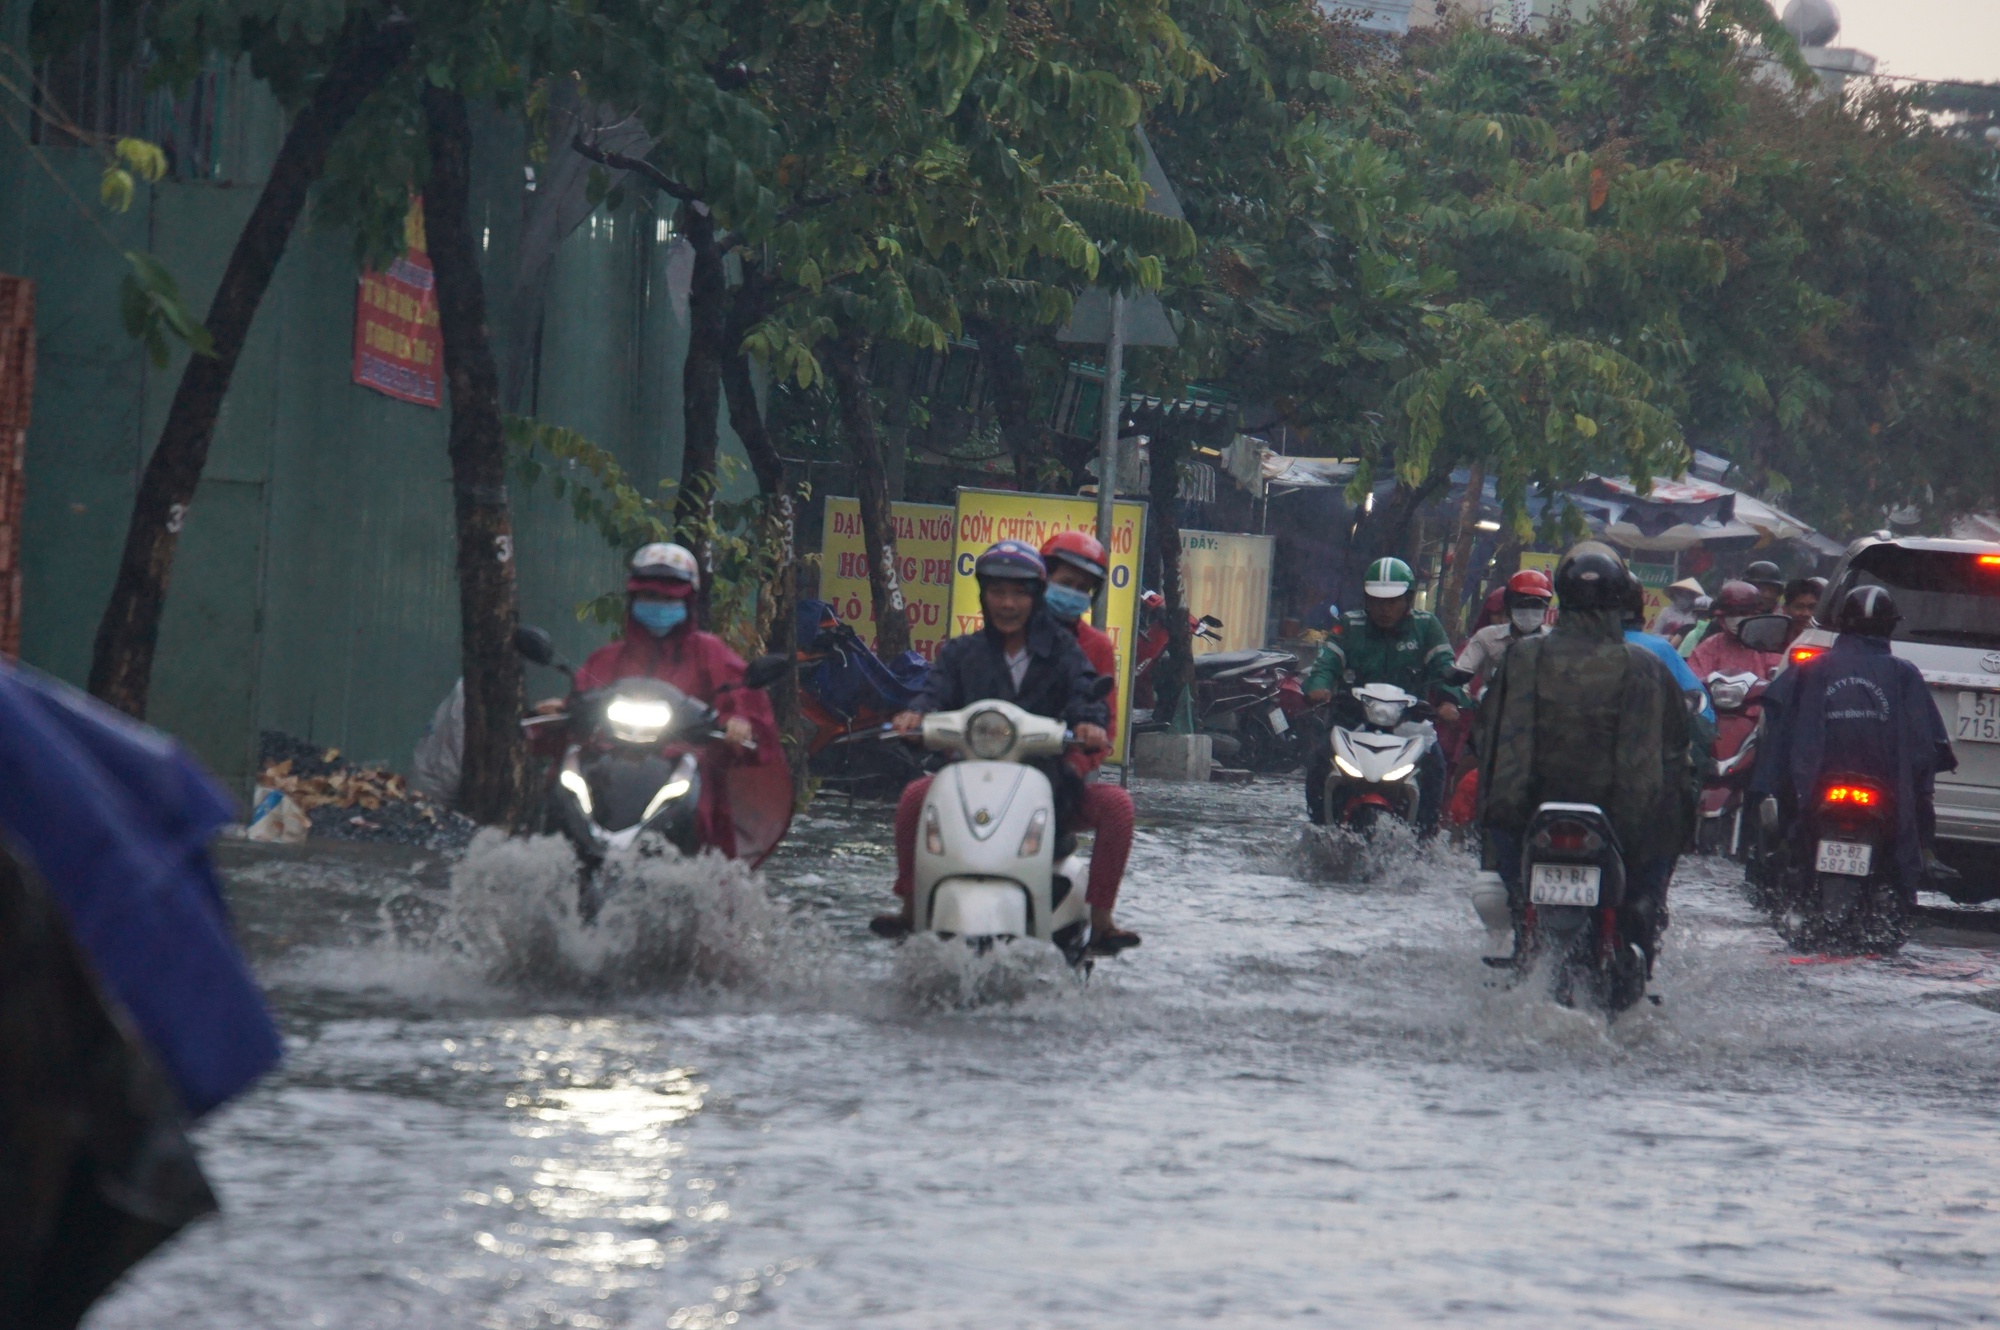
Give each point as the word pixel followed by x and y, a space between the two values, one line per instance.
pixel 1800 655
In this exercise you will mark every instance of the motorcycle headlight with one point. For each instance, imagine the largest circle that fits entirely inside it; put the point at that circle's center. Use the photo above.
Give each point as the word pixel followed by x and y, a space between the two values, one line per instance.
pixel 637 720
pixel 989 735
pixel 1347 768
pixel 1397 773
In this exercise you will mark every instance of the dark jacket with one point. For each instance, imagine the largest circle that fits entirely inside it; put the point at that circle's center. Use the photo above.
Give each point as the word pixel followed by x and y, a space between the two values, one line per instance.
pixel 1057 684
pixel 1582 716
pixel 1857 710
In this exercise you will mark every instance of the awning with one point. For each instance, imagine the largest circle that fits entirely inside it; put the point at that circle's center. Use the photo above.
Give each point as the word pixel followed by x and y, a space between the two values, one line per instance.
pixel 1677 514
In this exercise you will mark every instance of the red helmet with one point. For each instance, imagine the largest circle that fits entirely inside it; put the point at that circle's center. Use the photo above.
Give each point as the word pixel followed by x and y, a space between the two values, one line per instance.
pixel 1738 598
pixel 1495 603
pixel 1078 549
pixel 1531 582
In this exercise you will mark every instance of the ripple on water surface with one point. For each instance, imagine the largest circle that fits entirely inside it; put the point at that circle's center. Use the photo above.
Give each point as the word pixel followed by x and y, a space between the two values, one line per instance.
pixel 1302 1099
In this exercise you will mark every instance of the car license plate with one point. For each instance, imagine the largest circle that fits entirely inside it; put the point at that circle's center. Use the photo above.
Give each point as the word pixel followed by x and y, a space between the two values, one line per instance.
pixel 1564 884
pixel 1845 858
pixel 1979 718
pixel 1278 722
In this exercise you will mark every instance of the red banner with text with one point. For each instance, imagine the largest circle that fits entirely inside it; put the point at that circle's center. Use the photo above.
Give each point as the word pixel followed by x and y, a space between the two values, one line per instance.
pixel 397 347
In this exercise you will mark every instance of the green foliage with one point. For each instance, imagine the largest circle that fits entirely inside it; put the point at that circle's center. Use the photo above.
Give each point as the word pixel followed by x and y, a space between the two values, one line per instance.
pixel 150 303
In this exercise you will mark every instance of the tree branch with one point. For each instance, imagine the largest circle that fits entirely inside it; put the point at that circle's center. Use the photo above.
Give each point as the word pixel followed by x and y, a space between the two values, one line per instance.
pixel 638 166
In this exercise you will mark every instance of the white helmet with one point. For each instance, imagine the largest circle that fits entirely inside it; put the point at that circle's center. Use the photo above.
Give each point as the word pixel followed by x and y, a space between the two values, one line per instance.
pixel 664 562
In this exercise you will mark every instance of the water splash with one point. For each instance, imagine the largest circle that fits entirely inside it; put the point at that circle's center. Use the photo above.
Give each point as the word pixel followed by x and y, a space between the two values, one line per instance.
pixel 951 974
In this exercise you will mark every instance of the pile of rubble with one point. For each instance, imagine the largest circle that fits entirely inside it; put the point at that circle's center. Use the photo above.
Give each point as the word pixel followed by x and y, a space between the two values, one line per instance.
pixel 304 790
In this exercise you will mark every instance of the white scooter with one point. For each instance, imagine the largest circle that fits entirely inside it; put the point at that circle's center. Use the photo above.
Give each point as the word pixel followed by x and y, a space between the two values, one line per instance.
pixel 1375 763
pixel 985 867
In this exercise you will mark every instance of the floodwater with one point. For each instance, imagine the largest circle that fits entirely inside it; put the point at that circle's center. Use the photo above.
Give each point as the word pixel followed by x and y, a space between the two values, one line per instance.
pixel 1299 1101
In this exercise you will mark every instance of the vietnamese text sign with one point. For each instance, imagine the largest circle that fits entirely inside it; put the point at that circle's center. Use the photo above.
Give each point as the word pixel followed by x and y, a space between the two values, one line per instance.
pixel 1229 576
pixel 397 348
pixel 923 545
pixel 986 516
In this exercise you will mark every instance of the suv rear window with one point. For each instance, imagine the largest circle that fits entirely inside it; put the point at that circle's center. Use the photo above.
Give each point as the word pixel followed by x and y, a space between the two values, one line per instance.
pixel 1948 598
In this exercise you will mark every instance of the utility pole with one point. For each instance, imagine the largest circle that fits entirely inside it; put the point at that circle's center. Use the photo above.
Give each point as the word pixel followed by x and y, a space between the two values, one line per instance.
pixel 1110 417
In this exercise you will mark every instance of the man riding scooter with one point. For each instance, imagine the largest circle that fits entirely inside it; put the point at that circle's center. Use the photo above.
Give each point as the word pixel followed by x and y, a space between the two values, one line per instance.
pixel 1857 710
pixel 747 808
pixel 1394 643
pixel 1025 656
pixel 1526 598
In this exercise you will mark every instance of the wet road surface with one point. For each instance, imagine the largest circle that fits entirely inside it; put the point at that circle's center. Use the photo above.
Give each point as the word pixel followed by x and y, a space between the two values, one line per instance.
pixel 1300 1101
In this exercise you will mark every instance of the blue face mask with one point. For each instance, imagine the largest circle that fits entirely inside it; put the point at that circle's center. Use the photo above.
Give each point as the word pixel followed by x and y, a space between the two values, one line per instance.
pixel 1065 602
pixel 660 617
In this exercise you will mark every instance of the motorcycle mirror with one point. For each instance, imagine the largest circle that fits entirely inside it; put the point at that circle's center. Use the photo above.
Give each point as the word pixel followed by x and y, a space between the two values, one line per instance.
pixel 1765 632
pixel 767 670
pixel 1209 621
pixel 534 645
pixel 1101 688
pixel 1459 678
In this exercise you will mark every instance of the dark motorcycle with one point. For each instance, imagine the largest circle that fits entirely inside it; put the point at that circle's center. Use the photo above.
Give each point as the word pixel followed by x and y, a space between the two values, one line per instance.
pixel 1152 643
pixel 1568 906
pixel 1251 703
pixel 625 760
pixel 847 694
pixel 1739 703
pixel 1830 878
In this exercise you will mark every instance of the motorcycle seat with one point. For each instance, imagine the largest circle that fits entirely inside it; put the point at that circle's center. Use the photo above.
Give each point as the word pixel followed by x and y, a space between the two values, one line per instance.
pixel 1223 663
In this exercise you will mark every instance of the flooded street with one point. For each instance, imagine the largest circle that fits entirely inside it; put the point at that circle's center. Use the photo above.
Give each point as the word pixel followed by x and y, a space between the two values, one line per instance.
pixel 1300 1100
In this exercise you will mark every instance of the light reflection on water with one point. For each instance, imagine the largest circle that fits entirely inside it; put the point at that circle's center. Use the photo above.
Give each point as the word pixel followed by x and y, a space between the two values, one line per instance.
pixel 1299 1099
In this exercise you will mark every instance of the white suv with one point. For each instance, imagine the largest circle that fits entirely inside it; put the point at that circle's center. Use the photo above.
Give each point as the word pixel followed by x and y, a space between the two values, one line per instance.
pixel 1949 594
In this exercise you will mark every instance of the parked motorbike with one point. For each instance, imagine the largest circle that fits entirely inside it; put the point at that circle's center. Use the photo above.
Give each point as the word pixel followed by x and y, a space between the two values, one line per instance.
pixel 846 694
pixel 1830 877
pixel 1250 702
pixel 988 867
pixel 1738 701
pixel 625 762
pixel 1572 888
pixel 1375 759
pixel 1152 642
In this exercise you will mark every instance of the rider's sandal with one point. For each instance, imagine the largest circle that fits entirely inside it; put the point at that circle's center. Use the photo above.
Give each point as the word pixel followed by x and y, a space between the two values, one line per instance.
pixel 1112 942
pixel 889 926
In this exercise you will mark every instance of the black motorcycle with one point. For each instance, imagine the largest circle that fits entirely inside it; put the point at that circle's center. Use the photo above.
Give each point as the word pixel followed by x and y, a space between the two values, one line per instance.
pixel 625 760
pixel 1830 877
pixel 1569 907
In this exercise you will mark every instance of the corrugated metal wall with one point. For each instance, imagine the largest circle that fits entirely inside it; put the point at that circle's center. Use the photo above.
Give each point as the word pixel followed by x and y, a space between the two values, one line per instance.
pixel 314 589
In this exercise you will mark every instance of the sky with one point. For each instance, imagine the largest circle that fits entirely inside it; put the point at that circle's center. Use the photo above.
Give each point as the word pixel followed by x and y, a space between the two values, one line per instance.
pixel 1935 39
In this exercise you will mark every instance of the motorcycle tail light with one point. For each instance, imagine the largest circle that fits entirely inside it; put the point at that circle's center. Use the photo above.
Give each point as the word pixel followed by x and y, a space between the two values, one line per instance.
pixel 1569 838
pixel 933 833
pixel 1850 796
pixel 1031 843
pixel 1800 655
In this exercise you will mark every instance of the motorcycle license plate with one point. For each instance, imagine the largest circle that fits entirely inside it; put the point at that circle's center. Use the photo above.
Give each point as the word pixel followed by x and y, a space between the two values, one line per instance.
pixel 1845 858
pixel 1979 718
pixel 1564 884
pixel 1278 722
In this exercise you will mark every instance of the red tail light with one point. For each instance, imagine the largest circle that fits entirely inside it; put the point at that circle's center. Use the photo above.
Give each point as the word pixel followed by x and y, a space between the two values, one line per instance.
pixel 1851 796
pixel 1989 561
pixel 1800 655
pixel 1569 838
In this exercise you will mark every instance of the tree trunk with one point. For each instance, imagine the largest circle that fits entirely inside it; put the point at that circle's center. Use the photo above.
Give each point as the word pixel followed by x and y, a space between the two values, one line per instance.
pixel 1000 355
pixel 846 359
pixel 701 391
pixel 493 788
pixel 121 663
pixel 1451 594
pixel 1175 667
pixel 751 304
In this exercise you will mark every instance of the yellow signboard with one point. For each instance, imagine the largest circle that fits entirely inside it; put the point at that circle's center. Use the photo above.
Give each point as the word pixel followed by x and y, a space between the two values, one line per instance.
pixel 1228 576
pixel 924 546
pixel 986 516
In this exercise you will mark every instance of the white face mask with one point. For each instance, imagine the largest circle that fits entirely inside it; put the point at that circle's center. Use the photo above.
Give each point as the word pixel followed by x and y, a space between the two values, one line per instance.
pixel 1733 622
pixel 1527 620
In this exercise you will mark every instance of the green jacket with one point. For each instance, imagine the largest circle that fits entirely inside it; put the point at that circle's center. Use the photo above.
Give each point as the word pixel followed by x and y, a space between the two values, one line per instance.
pixel 1582 716
pixel 1416 657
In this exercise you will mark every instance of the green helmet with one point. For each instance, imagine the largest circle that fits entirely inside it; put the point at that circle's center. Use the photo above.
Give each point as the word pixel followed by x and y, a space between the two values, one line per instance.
pixel 1386 579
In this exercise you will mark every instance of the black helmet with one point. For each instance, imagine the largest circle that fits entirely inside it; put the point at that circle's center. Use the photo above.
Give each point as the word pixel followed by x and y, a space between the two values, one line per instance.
pixel 1764 574
pixel 1635 603
pixel 1592 577
pixel 1867 611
